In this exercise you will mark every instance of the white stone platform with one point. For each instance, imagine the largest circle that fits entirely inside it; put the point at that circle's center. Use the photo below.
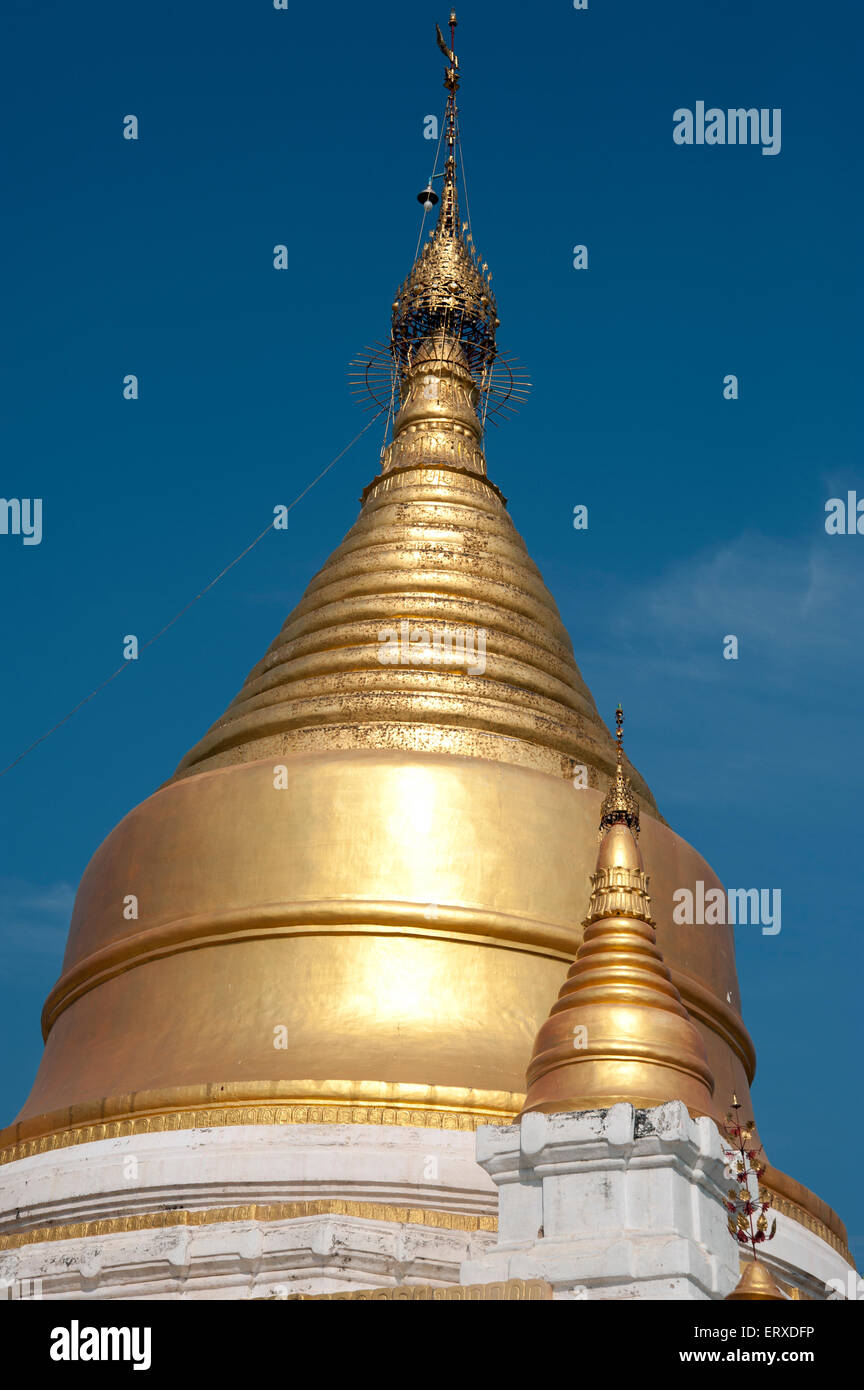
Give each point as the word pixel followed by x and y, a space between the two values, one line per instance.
pixel 372 1174
pixel 603 1204
pixel 627 1204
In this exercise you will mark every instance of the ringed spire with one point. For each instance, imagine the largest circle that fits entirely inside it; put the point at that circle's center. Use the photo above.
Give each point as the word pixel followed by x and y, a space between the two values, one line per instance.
pixel 448 288
pixel 619 1029
pixel 445 309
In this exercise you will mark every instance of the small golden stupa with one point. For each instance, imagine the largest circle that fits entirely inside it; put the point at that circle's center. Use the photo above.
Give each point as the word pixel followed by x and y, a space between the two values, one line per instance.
pixel 618 1031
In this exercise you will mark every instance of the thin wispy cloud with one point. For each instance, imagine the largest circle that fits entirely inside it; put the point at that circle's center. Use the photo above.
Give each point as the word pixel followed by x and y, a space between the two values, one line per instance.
pixel 34 920
pixel 783 600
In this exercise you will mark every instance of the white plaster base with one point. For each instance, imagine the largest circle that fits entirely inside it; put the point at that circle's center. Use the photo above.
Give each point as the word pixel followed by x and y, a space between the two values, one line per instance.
pixel 603 1204
pixel 244 1259
pixel 201 1170
pixel 610 1204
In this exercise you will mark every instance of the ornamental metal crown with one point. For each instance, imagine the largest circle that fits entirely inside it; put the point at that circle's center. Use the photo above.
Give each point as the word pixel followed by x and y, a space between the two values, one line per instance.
pixel 620 806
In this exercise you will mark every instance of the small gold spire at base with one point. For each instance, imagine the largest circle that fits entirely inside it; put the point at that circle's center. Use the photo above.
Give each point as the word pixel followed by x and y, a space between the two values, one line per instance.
pixel 619 1030
pixel 756 1285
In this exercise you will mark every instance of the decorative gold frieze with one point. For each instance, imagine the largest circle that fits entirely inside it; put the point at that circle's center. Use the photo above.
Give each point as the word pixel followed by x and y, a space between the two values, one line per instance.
pixel 619 892
pixel 509 1291
pixel 276 1211
pixel 252 1115
pixel 810 1223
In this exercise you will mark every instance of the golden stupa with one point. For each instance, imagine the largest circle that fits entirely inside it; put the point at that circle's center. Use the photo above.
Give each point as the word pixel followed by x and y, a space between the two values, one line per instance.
pixel 387 859
pixel 618 1030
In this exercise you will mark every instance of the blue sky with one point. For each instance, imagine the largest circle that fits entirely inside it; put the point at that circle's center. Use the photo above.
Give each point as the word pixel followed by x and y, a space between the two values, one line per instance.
pixel 706 516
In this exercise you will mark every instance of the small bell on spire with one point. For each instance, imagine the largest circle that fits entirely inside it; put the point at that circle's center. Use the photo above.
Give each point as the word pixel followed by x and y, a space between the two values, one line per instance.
pixel 428 197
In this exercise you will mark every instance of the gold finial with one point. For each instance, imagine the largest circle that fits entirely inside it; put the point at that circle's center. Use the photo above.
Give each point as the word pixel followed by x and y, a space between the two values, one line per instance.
pixel 445 291
pixel 451 81
pixel 620 806
pixel 444 320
